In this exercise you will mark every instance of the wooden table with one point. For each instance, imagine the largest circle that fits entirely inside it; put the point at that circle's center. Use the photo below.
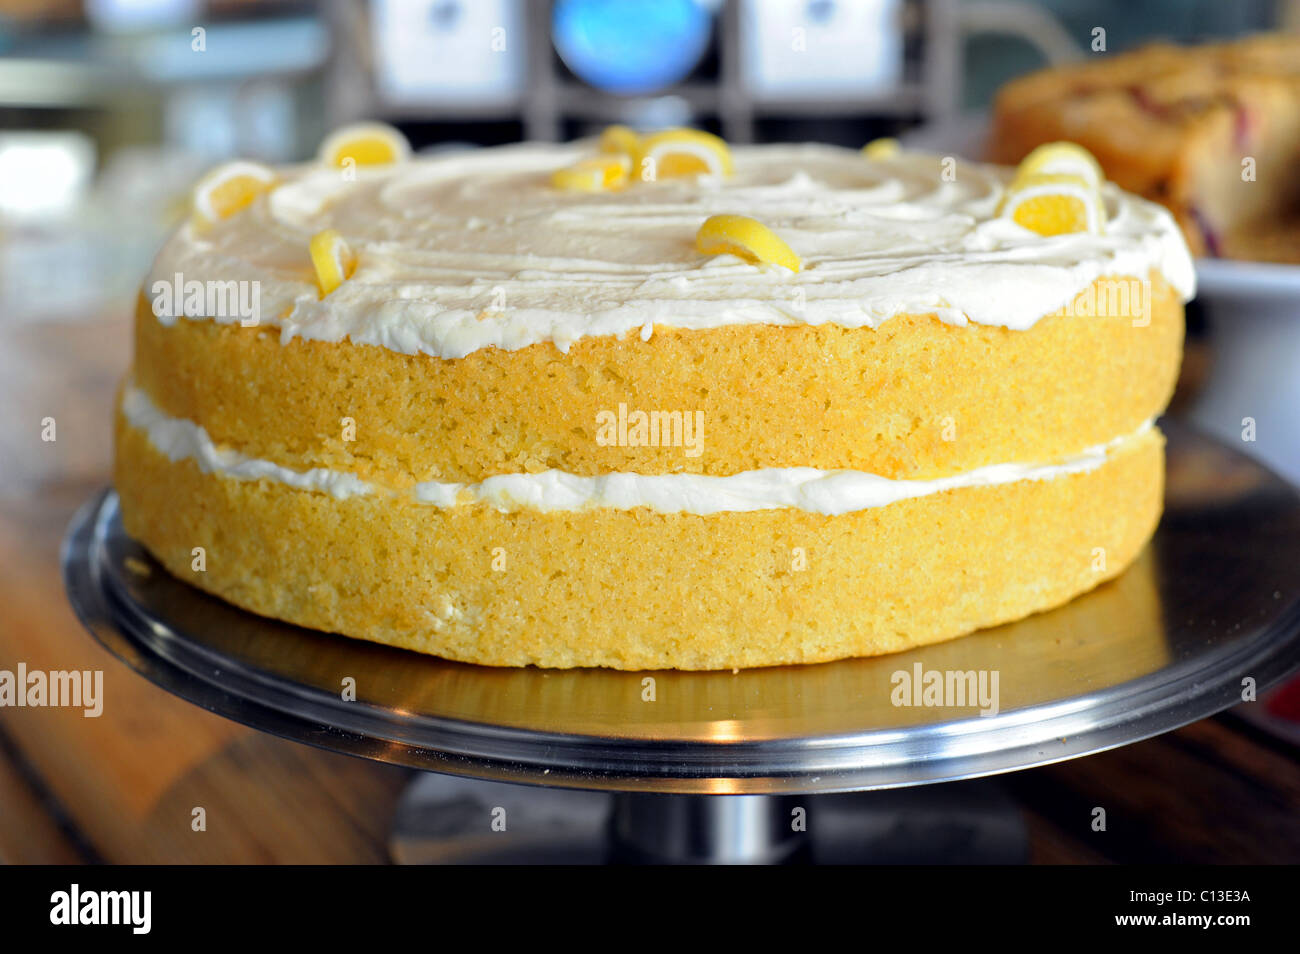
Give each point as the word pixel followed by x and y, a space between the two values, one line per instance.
pixel 123 787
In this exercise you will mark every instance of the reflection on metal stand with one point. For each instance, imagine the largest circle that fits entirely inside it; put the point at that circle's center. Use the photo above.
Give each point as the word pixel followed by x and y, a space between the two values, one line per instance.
pixel 707 829
pixel 445 820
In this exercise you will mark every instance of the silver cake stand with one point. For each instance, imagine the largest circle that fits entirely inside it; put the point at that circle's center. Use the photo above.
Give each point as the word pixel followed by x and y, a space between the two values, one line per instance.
pixel 735 766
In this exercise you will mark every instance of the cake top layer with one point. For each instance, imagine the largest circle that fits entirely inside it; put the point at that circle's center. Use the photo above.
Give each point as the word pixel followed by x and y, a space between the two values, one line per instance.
pixel 476 249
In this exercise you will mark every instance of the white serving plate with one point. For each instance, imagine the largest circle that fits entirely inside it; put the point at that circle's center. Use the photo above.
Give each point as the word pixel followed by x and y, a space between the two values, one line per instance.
pixel 1253 313
pixel 1257 283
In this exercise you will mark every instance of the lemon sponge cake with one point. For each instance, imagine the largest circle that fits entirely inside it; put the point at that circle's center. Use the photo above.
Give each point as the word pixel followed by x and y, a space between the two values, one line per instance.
pixel 651 402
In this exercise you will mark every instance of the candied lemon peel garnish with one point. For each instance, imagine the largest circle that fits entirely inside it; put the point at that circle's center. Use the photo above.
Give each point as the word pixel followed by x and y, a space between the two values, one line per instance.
pixel 595 174
pixel 1056 190
pixel 681 152
pixel 619 139
pixel 745 238
pixel 625 157
pixel 366 144
pixel 230 188
pixel 882 149
pixel 333 260
pixel 1062 159
pixel 1054 205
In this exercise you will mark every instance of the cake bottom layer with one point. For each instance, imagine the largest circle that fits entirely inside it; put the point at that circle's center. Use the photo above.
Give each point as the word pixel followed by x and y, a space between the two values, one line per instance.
pixel 639 589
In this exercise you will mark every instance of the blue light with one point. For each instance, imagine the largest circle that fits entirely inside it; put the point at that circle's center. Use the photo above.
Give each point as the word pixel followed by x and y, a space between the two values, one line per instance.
pixel 631 47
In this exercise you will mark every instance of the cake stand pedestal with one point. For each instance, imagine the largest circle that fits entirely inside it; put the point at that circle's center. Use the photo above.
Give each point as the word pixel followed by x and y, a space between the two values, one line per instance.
pixel 683 766
pixel 442 819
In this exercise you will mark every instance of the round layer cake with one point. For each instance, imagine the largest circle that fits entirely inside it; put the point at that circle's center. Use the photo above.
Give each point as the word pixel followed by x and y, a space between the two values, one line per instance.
pixel 535 425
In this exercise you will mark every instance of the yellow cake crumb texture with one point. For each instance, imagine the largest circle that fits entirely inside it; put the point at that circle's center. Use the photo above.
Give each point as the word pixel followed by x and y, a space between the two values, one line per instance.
pixel 914 399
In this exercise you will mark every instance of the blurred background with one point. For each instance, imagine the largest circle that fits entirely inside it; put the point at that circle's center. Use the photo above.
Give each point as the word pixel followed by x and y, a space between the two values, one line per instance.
pixel 110 108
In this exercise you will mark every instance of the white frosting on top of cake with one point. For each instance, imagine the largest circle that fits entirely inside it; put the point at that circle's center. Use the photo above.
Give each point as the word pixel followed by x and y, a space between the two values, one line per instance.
pixel 477 249
pixel 829 492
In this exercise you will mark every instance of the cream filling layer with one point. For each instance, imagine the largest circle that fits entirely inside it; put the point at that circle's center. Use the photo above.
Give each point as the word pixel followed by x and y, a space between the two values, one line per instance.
pixel 829 492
